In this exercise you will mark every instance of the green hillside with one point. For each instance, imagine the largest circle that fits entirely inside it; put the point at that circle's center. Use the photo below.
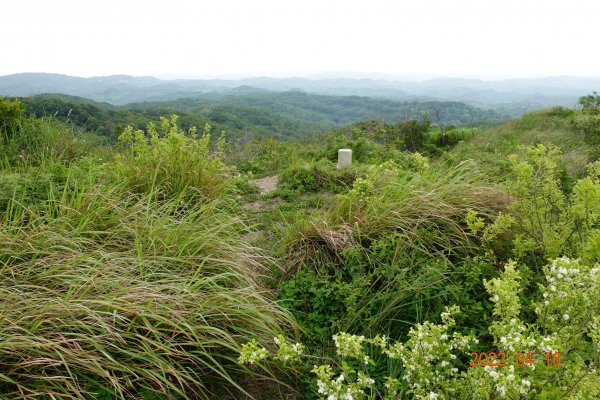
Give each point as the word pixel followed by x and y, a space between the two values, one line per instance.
pixel 338 110
pixel 252 113
pixel 447 262
pixel 105 119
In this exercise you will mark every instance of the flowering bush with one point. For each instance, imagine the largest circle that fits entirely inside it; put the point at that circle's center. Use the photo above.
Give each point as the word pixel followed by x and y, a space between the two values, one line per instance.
pixel 554 356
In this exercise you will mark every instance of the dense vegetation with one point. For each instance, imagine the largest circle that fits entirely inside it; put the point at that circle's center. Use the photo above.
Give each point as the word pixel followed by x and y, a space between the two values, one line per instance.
pixel 251 113
pixel 152 267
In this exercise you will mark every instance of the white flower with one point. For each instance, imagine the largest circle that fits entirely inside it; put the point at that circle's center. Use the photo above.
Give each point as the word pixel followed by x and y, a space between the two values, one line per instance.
pixel 566 317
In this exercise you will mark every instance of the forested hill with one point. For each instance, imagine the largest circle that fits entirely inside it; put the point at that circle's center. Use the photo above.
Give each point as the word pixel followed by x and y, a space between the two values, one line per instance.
pixel 251 112
pixel 339 110
pixel 106 119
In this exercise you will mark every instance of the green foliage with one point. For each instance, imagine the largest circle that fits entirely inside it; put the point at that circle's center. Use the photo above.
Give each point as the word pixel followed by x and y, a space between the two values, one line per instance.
pixel 412 132
pixel 544 221
pixel 11 115
pixel 562 340
pixel 108 292
pixel 126 271
pixel 172 162
pixel 590 103
pixel 426 210
pixel 112 295
pixel 262 156
pixel 249 114
pixel 329 111
pixel 491 148
pixel 588 120
pixel 48 141
pixel 391 252
pixel 316 176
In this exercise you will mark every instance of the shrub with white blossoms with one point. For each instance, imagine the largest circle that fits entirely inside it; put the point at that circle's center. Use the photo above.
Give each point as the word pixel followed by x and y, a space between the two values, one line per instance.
pixel 341 387
pixel 286 351
pixel 429 357
pixel 252 353
pixel 432 359
pixel 563 329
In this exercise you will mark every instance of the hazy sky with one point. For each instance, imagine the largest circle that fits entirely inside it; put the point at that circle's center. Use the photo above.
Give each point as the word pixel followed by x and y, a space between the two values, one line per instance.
pixel 423 38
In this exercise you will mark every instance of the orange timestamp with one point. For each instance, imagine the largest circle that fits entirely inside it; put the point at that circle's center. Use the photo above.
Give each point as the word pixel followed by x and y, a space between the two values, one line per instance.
pixel 499 359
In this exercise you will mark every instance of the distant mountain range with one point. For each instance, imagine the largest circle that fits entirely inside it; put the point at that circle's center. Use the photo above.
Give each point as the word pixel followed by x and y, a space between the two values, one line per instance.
pixel 508 97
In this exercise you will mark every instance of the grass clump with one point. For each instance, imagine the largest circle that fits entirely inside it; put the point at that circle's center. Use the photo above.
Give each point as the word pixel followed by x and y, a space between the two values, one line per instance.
pixel 426 211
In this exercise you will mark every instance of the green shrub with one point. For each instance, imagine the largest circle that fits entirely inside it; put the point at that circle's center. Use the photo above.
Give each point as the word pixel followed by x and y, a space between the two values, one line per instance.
pixel 588 124
pixel 171 162
pixel 263 156
pixel 392 251
pixel 365 150
pixel 553 355
pixel 545 222
pixel 312 177
pixel 11 116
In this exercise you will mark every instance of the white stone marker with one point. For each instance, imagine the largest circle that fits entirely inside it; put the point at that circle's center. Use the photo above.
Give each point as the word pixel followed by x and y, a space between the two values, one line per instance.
pixel 344 158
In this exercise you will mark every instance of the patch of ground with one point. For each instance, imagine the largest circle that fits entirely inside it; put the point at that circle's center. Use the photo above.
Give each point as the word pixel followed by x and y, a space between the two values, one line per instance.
pixel 266 185
pixel 263 205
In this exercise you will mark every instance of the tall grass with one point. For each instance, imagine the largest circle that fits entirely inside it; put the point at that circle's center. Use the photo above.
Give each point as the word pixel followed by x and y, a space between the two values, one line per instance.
pixel 104 293
pixel 44 140
pixel 111 292
pixel 425 211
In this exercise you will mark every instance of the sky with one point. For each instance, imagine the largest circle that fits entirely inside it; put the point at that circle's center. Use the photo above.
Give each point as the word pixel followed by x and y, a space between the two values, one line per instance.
pixel 239 38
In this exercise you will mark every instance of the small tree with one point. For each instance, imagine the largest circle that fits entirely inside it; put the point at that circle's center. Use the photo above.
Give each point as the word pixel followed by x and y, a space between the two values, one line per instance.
pixel 588 120
pixel 413 131
pixel 11 114
pixel 590 103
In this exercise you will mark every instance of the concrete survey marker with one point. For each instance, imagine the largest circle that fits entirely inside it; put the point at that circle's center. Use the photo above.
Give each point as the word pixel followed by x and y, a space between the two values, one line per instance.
pixel 344 158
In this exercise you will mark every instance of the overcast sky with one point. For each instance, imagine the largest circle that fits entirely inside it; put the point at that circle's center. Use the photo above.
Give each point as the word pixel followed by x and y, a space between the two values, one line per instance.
pixel 233 38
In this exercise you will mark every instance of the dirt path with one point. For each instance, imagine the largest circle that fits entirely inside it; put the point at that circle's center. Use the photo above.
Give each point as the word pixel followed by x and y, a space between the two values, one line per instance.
pixel 261 205
pixel 266 185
